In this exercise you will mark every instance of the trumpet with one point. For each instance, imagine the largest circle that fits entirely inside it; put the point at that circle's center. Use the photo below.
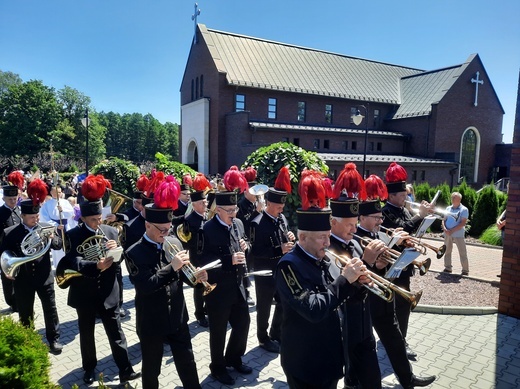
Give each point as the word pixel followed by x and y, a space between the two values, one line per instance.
pixel 187 269
pixel 383 288
pixel 379 288
pixel 412 241
pixel 391 255
pixel 438 212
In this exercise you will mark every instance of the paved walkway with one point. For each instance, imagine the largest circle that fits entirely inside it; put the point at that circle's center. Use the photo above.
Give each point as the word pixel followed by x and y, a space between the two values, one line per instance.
pixel 464 351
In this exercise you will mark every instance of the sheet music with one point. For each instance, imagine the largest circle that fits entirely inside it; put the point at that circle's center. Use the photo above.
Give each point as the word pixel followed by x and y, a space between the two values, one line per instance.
pixel 407 256
pixel 425 224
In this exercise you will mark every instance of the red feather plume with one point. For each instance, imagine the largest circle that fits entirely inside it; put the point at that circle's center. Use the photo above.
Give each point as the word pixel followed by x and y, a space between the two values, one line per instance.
pixel 250 174
pixel 16 178
pixel 166 195
pixel 200 183
pixel 142 183
pixel 234 180
pixel 329 187
pixel 283 181
pixel 109 184
pixel 156 180
pixel 312 190
pixel 395 173
pixel 187 180
pixel 351 182
pixel 94 187
pixel 37 191
pixel 376 188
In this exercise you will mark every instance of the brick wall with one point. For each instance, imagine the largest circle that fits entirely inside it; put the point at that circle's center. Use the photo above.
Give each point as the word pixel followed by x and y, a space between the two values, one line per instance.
pixel 509 300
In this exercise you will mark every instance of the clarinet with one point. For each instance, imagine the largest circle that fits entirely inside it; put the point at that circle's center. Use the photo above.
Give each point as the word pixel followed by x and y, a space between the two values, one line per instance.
pixel 242 269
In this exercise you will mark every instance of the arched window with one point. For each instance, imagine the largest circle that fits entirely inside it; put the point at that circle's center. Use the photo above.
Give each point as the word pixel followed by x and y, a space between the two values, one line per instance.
pixel 469 155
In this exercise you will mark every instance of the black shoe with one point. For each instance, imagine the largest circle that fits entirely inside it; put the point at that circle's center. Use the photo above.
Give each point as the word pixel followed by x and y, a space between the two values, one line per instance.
pixel 56 347
pixel 410 354
pixel 244 369
pixel 446 270
pixel 203 322
pixel 89 377
pixel 420 381
pixel 122 313
pixel 250 301
pixel 223 378
pixel 129 377
pixel 271 346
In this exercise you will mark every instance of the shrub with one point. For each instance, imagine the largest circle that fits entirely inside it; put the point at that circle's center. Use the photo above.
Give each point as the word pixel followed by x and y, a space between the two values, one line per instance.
pixel 176 169
pixel 24 360
pixel 121 173
pixel 485 212
pixel 492 235
pixel 423 192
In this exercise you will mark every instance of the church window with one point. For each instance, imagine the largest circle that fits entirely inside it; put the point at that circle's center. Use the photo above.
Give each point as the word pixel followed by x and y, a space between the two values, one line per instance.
pixel 240 103
pixel 328 113
pixel 353 145
pixel 326 144
pixel 469 155
pixel 201 85
pixel 271 113
pixel 376 118
pixel 301 111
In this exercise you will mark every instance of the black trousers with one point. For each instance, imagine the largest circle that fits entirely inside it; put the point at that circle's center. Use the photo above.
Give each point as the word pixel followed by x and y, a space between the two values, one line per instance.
pixel 25 295
pixel 265 288
pixel 7 286
pixel 295 383
pixel 198 301
pixel 119 278
pixel 385 323
pixel 226 304
pixel 152 348
pixel 116 337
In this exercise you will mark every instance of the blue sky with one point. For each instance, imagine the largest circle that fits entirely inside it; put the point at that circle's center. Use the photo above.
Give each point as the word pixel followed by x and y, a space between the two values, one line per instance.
pixel 129 55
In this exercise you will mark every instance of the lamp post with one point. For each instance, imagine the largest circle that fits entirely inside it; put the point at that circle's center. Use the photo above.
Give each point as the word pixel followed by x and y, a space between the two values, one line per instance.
pixel 357 119
pixel 85 121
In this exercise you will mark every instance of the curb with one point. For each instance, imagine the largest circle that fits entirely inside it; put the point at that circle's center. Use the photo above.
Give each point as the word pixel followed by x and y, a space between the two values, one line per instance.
pixel 454 310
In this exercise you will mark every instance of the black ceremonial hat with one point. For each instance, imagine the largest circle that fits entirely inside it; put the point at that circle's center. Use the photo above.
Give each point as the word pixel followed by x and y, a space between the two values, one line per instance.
pixel 349 207
pixel 369 207
pixel 313 219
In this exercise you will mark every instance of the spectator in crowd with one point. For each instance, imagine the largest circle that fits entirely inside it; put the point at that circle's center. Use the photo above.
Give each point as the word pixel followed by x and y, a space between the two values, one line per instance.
pixel 454 232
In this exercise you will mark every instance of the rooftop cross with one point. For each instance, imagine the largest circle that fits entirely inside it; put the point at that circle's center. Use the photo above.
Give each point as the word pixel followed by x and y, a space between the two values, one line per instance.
pixel 476 81
pixel 194 18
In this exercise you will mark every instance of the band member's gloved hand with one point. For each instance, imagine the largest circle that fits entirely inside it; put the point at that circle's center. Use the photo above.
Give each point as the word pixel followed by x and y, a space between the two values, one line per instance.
pixel 111 218
pixel 353 270
pixel 201 275
pixel 180 259
pixel 286 247
pixel 425 208
pixel 402 235
pixel 373 250
pixel 238 258
pixel 110 244
pixel 381 263
pixel 291 236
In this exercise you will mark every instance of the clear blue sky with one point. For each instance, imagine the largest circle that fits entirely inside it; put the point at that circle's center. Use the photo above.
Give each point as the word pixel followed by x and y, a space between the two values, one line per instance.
pixel 129 55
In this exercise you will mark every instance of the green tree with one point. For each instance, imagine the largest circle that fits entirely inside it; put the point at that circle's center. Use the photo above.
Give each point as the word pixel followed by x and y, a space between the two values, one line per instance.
pixel 171 133
pixel 270 159
pixel 177 169
pixel 485 212
pixel 29 113
pixel 7 79
pixel 122 174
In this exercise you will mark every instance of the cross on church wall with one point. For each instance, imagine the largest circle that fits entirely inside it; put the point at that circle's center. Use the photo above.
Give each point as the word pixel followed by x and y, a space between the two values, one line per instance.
pixel 194 18
pixel 476 81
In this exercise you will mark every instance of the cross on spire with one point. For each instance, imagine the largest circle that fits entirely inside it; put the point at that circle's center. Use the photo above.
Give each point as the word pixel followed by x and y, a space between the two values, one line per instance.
pixel 194 18
pixel 476 81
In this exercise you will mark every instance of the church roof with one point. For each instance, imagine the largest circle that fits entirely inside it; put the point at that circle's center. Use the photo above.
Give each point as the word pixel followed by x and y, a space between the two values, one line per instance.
pixel 259 63
pixel 374 158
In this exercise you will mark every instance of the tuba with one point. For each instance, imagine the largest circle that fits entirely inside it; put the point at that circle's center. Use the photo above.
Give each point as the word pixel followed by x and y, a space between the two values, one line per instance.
pixel 115 201
pixel 34 245
pixel 259 191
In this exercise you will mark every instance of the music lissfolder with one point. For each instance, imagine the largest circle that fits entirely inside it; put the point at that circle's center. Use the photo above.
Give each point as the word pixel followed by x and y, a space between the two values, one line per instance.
pixel 407 256
pixel 115 253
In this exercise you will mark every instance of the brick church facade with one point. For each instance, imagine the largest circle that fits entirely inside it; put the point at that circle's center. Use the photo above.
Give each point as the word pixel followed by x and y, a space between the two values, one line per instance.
pixel 241 93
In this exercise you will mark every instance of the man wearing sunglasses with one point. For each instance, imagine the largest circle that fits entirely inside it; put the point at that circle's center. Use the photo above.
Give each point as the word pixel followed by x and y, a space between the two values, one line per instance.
pixel 225 239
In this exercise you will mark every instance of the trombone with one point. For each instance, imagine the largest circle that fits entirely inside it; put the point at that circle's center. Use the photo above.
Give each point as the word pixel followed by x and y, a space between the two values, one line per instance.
pixel 188 269
pixel 412 241
pixel 380 289
pixel 438 212
pixel 383 288
pixel 391 255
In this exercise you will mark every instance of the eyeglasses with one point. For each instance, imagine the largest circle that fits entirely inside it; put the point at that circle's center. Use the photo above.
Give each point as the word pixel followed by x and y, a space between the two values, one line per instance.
pixel 229 211
pixel 161 230
pixel 377 217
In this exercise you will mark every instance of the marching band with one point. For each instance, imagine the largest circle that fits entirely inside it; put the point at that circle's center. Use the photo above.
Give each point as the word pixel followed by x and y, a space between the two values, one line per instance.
pixel 325 280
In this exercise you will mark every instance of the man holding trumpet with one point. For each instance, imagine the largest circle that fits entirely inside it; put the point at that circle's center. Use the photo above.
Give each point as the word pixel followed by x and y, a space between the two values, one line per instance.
pixel 156 261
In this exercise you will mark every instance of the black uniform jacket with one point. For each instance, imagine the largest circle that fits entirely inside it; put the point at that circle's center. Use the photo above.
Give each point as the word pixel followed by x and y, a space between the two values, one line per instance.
pixel 159 299
pixel 9 217
pixel 246 213
pixel 38 271
pixel 267 237
pixel 94 286
pixel 218 241
pixel 133 231
pixel 311 336
pixel 194 222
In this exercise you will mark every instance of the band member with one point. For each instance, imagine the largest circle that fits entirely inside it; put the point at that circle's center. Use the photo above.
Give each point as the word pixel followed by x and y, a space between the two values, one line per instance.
pixel 397 216
pixel 361 364
pixel 225 239
pixel 10 216
pixel 312 351
pixel 161 311
pixel 183 204
pixel 270 240
pixel 96 291
pixel 137 203
pixel 34 276
pixel 248 208
pixel 193 224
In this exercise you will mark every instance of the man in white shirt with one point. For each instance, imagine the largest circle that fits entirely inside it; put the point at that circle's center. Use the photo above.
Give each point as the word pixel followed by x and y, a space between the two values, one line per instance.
pixel 453 227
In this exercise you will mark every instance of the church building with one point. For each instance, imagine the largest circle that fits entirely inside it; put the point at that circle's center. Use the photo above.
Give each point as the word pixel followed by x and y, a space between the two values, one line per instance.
pixel 240 93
